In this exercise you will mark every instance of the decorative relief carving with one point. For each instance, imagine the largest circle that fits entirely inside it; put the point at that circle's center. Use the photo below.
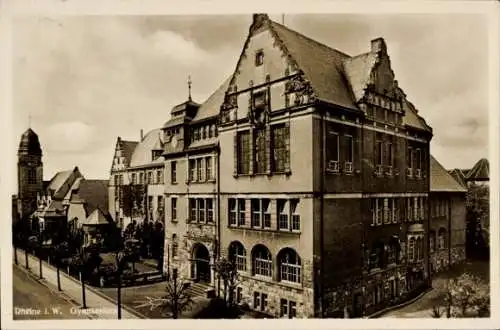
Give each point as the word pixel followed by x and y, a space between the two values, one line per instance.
pixel 302 90
pixel 200 232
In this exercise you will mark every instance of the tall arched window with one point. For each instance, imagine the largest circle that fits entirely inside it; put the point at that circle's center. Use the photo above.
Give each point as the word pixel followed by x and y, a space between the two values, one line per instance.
pixel 238 255
pixel 411 249
pixel 261 261
pixel 432 241
pixel 289 266
pixel 442 238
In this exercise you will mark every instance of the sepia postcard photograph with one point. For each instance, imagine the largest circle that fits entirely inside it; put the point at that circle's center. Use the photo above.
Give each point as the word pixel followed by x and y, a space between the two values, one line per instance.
pixel 304 163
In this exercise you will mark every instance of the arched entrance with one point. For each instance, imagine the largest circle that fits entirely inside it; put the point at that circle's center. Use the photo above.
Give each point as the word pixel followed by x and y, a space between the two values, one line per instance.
pixel 200 263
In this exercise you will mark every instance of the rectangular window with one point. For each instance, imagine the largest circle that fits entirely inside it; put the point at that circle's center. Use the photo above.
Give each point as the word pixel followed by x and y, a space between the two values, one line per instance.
pixel 260 151
pixel 241 212
pixel 282 208
pixel 210 210
pixel 416 214
pixel 409 209
pixel 333 146
pixel 266 208
pixel 390 155
pixel 409 161
pixel 293 309
pixel 259 58
pixel 259 99
pixel 387 219
pixel 192 210
pixel 201 210
pixel 243 152
pixel 192 170
pixel 209 173
pixel 256 213
pixel 159 173
pixel 141 178
pixel 174 208
pixel 173 172
pixel 233 211
pixel 239 295
pixel 279 140
pixel 256 300
pixel 284 308
pixel 350 148
pixel 200 164
pixel 150 177
pixel 161 207
pixel 134 178
pixel 295 215
pixel 380 153
pixel 263 302
pixel 395 211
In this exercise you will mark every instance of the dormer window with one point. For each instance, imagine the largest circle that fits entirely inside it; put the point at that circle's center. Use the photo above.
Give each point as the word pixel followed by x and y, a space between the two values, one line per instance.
pixel 259 58
pixel 259 99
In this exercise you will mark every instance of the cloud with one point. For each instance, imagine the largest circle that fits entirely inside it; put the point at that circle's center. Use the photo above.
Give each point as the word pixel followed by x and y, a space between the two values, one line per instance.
pixel 69 137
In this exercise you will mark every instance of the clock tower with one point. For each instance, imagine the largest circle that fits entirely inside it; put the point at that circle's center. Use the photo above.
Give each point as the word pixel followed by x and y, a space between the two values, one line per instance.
pixel 29 173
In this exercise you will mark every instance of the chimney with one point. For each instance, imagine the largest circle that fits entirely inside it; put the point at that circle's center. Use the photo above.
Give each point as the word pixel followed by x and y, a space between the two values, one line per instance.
pixel 142 134
pixel 259 19
pixel 378 45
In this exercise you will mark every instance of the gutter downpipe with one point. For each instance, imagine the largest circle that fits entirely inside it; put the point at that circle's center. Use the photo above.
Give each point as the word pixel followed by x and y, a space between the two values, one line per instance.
pixel 218 243
pixel 322 208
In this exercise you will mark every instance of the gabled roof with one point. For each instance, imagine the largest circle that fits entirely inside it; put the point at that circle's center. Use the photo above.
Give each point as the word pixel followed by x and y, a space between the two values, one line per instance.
pixel 458 175
pixel 62 181
pixel 58 180
pixel 142 154
pixel 54 209
pixel 211 106
pixel 322 66
pixel 128 148
pixel 480 171
pixel 96 218
pixel 358 70
pixel 441 180
pixel 411 117
pixel 94 194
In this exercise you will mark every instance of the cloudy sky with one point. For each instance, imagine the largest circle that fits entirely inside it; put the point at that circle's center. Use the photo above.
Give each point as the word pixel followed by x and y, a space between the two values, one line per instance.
pixel 87 79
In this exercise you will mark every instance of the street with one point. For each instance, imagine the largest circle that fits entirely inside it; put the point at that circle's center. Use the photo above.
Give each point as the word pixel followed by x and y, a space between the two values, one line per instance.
pixel 34 301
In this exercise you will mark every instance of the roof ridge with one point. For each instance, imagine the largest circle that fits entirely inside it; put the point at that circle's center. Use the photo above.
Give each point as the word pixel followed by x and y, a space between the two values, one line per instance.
pixel 309 38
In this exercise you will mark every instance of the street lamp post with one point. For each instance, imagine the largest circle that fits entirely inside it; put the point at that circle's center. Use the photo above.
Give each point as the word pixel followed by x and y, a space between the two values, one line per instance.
pixel 82 272
pixel 120 263
pixel 40 253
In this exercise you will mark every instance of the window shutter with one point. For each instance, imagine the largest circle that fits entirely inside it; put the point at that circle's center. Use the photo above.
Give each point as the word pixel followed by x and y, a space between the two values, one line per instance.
pixel 235 146
pixel 287 147
pixel 268 150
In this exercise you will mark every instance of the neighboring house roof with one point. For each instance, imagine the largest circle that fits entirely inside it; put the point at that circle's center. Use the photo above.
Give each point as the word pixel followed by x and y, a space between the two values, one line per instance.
pixel 458 175
pixel 61 183
pixel 74 187
pixel 322 66
pixel 96 218
pixel 93 194
pixel 142 154
pixel 54 209
pixel 480 171
pixel 441 180
pixel 128 148
pixel 411 117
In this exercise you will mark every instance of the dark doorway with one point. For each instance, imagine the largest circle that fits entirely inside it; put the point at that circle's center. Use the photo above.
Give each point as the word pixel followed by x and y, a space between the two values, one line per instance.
pixel 358 305
pixel 200 264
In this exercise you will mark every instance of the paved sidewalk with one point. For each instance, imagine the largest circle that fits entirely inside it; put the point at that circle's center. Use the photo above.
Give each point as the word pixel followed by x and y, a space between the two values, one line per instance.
pixel 97 306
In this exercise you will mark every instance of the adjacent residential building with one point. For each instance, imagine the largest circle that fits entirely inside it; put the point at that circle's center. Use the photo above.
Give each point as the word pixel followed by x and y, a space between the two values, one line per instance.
pixel 448 220
pixel 136 180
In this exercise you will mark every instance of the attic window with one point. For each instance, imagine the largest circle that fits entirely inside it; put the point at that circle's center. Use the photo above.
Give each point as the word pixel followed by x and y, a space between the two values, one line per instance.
pixel 259 99
pixel 259 57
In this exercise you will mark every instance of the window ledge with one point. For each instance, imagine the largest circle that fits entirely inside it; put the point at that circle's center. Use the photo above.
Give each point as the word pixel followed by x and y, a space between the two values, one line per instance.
pixel 270 280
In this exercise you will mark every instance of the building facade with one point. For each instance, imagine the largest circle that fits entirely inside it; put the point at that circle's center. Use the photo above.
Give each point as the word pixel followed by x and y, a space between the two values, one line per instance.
pixel 448 221
pixel 310 169
pixel 136 180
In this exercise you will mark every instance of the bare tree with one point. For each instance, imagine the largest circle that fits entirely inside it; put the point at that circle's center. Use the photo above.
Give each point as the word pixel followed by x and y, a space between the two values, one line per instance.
pixel 228 272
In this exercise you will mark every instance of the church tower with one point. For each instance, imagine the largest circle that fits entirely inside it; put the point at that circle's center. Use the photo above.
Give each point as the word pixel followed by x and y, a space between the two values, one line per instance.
pixel 29 173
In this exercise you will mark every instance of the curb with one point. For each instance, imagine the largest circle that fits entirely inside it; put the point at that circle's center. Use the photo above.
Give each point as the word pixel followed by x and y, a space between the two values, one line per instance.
pixel 50 287
pixel 391 308
pixel 87 287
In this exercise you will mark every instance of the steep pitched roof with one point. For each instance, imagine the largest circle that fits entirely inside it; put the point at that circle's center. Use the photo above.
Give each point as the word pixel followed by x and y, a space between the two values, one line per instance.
pixel 58 180
pixel 128 148
pixel 458 175
pixel 322 66
pixel 94 194
pixel 480 171
pixel 142 154
pixel 212 104
pixel 412 119
pixel 358 70
pixel 441 180
pixel 96 218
